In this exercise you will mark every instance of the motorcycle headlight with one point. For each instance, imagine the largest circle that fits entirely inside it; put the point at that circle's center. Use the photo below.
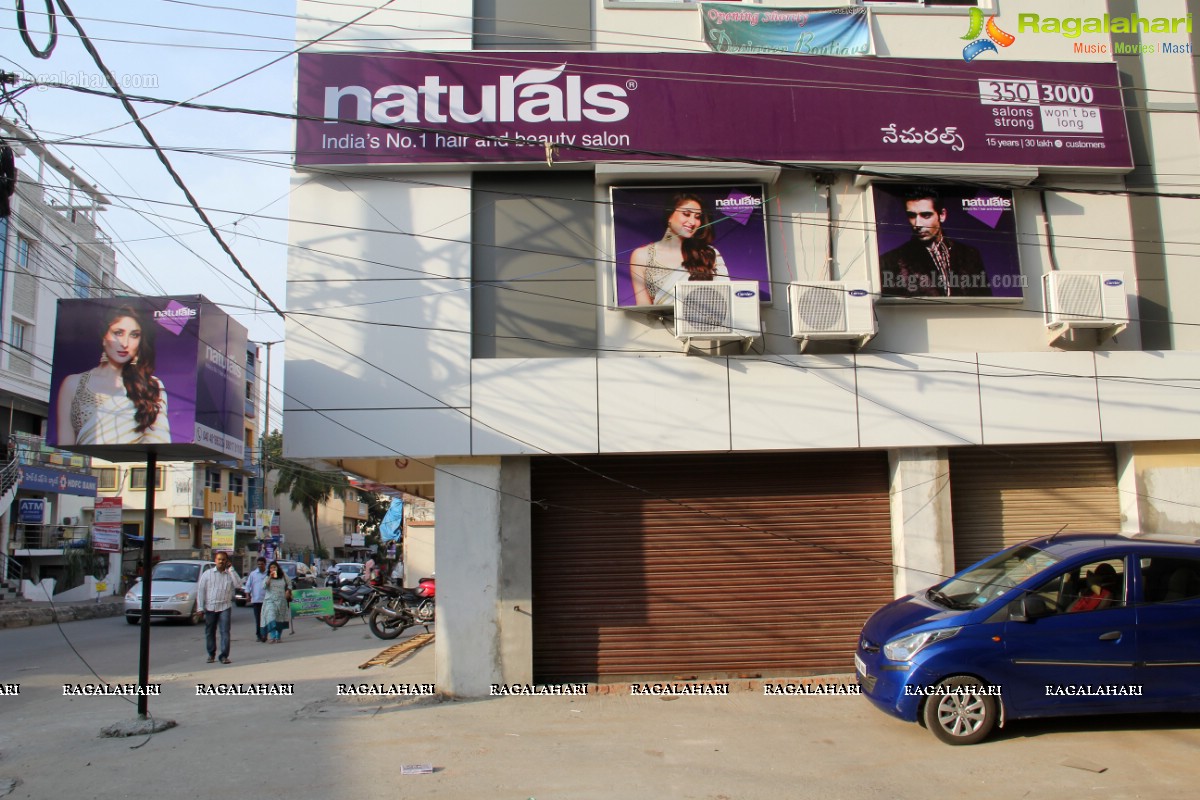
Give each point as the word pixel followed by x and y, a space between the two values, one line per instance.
pixel 904 648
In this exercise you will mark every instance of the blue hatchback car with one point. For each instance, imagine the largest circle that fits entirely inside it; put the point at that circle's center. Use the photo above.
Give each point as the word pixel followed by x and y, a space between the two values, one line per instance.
pixel 1068 624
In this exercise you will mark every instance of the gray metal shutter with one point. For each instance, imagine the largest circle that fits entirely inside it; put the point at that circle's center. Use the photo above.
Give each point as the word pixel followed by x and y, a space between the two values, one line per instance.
pixel 1001 496
pixel 710 566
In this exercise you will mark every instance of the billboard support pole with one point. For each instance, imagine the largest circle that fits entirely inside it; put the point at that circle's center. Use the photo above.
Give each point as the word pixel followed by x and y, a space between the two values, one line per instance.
pixel 147 564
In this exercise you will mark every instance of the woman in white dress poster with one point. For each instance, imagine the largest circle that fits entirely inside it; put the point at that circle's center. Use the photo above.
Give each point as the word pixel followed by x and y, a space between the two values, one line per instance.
pixel 119 401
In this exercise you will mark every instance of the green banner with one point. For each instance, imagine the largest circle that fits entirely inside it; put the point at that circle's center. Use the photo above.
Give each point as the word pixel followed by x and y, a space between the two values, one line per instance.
pixel 312 603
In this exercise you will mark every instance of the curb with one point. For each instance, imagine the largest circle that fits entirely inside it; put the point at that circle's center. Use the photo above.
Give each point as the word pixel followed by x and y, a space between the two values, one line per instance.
pixel 832 684
pixel 26 616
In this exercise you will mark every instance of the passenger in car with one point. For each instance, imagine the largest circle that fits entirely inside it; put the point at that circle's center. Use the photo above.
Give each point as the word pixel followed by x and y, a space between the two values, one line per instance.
pixel 1101 585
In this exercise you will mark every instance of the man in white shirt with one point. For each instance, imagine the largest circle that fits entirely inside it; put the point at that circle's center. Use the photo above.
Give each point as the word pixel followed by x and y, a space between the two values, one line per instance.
pixel 255 587
pixel 214 597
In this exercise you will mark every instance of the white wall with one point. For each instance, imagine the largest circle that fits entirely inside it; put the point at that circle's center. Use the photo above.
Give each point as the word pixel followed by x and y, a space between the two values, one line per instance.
pixel 379 343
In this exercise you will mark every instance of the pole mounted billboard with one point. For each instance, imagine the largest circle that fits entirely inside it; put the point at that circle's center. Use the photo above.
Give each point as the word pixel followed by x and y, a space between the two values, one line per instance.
pixel 135 375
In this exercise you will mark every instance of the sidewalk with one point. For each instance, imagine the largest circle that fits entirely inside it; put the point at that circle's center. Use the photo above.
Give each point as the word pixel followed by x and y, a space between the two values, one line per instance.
pixel 319 742
pixel 21 614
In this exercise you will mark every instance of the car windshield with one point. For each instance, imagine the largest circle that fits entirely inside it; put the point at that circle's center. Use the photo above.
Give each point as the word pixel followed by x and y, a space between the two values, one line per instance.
pixel 289 568
pixel 350 568
pixel 177 572
pixel 991 579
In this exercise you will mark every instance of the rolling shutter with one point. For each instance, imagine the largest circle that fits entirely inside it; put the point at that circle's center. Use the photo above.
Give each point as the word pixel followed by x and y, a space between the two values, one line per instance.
pixel 707 566
pixel 1001 496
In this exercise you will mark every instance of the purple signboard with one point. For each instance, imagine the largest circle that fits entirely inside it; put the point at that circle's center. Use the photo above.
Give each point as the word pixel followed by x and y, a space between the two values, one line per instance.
pixel 473 107
pixel 662 235
pixel 138 374
pixel 947 242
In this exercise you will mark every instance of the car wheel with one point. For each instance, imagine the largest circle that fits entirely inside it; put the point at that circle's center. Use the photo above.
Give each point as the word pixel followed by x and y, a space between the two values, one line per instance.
pixel 195 616
pixel 133 620
pixel 962 712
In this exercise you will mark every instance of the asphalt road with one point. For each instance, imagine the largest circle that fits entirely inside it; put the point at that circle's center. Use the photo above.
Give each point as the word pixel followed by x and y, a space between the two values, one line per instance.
pixel 318 744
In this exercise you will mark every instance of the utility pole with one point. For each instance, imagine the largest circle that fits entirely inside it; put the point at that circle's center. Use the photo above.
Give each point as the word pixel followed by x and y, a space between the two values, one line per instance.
pixel 266 429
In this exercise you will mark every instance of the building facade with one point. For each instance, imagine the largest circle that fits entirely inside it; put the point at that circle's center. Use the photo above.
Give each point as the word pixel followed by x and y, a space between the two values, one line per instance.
pixel 477 250
pixel 51 247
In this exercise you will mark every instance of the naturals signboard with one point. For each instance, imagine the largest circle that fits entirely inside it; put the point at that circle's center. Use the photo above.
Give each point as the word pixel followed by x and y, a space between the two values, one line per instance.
pixel 487 107
pixel 139 374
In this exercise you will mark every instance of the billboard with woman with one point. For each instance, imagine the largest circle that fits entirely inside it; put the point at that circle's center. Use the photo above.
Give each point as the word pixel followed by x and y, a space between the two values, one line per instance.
pixel 663 235
pixel 132 373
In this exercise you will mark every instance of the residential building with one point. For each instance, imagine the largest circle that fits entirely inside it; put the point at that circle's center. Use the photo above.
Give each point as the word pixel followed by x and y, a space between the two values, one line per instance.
pixel 51 247
pixel 476 248
pixel 189 493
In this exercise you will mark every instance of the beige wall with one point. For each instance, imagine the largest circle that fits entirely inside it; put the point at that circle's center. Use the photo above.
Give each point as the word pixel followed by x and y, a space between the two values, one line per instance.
pixel 1168 486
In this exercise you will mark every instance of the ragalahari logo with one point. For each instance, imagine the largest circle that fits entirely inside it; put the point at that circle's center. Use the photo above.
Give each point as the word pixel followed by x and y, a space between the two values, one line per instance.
pixel 980 44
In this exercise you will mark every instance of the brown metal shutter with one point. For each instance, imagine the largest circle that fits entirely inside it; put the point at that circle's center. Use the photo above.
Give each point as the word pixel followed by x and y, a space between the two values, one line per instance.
pixel 713 566
pixel 1001 496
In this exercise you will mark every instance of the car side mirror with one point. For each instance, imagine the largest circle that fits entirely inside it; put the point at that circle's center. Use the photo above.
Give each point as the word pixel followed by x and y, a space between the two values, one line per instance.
pixel 1028 608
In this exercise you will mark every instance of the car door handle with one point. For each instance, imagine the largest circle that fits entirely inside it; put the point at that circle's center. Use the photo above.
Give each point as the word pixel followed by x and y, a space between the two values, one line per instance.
pixel 1111 636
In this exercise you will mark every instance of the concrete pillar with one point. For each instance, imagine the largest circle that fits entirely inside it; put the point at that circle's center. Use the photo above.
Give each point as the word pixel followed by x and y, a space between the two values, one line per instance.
pixel 922 534
pixel 1127 488
pixel 484 613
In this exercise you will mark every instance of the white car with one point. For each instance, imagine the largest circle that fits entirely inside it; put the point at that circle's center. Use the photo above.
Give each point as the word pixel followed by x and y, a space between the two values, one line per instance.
pixel 174 591
pixel 344 572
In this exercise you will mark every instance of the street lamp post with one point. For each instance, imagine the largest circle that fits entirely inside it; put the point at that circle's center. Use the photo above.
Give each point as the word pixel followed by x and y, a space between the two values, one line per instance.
pixel 266 429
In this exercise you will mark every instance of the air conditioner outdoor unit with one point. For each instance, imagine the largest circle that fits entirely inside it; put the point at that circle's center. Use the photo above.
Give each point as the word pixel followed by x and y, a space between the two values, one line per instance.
pixel 832 310
pixel 1085 300
pixel 717 310
pixel 70 520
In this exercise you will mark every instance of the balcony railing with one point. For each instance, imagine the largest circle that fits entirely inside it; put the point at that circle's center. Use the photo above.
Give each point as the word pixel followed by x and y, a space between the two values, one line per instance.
pixel 50 537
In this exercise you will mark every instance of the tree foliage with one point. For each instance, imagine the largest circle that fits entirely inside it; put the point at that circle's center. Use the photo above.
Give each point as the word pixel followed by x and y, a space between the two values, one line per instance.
pixel 306 488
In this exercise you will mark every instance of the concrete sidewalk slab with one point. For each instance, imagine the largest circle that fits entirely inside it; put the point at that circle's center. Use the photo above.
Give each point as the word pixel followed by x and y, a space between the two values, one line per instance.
pixel 316 743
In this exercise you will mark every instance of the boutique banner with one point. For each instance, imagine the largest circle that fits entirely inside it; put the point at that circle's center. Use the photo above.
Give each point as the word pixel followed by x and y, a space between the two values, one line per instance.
pixel 791 31
pixel 475 107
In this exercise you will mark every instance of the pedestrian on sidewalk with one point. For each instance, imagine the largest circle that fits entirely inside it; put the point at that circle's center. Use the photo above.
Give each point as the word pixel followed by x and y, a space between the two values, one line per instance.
pixel 276 596
pixel 254 589
pixel 214 597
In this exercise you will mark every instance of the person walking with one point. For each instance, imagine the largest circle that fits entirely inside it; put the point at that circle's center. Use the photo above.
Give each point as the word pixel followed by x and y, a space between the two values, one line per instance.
pixel 214 597
pixel 254 589
pixel 276 596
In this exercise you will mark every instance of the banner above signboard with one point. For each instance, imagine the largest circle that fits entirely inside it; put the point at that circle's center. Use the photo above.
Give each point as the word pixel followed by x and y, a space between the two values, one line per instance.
pixel 841 31
pixel 473 107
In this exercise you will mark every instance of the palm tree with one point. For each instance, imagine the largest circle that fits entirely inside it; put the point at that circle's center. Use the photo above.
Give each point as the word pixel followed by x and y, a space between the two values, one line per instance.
pixel 306 488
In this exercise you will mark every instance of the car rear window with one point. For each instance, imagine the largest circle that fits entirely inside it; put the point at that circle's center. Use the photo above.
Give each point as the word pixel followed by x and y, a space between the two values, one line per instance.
pixel 177 572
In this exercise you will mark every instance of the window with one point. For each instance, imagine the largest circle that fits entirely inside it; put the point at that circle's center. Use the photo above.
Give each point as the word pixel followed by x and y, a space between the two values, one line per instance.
pixel 137 478
pixel 236 482
pixel 1169 580
pixel 17 337
pixel 19 360
pixel 212 479
pixel 1090 587
pixel 23 248
pixel 83 282
pixel 106 478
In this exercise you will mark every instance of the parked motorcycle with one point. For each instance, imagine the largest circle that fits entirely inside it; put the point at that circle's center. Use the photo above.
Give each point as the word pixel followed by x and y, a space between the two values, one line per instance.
pixel 356 598
pixel 401 608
